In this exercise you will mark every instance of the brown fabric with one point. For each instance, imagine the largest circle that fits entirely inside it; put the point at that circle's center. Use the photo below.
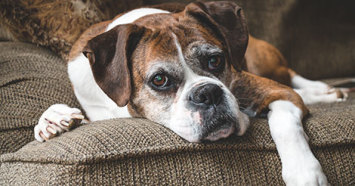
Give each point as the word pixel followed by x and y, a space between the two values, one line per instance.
pixel 31 79
pixel 137 151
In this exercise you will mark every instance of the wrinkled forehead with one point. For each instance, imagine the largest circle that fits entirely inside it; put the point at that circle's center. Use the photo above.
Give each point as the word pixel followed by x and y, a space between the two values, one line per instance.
pixel 173 35
pixel 167 53
pixel 185 28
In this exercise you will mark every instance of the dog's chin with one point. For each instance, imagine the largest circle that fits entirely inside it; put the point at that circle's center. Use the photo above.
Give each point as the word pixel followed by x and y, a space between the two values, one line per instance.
pixel 211 136
pixel 200 134
pixel 221 133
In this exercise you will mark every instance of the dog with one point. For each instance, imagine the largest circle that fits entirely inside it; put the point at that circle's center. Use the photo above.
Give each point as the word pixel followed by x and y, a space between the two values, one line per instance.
pixel 195 70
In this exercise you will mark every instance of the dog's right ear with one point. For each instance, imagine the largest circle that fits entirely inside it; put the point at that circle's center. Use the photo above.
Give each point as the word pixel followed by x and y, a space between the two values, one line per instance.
pixel 109 54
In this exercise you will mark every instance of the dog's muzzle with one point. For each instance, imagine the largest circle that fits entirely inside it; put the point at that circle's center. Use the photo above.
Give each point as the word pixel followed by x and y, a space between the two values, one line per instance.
pixel 217 121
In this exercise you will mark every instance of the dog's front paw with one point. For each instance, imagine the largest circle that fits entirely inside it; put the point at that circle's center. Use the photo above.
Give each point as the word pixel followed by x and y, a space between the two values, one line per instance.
pixel 56 119
pixel 305 174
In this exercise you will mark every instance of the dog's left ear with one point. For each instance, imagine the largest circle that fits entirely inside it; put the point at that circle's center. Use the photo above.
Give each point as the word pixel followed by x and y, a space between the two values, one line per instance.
pixel 227 20
pixel 109 55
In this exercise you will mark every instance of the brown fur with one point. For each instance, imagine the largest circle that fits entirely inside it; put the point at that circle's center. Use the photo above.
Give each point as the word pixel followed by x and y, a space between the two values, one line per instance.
pixel 90 33
pixel 256 93
pixel 109 55
pixel 265 60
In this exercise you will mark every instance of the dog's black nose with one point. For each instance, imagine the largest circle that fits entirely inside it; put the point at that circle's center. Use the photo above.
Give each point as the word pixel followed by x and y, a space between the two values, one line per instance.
pixel 206 95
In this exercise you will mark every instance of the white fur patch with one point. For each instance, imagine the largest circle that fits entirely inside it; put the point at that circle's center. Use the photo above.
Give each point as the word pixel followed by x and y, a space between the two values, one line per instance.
pixel 300 82
pixel 313 92
pixel 299 166
pixel 189 74
pixel 133 15
pixel 313 95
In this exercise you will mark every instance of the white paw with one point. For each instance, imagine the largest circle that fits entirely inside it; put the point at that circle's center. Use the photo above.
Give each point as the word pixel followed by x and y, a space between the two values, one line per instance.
pixel 56 119
pixel 319 85
pixel 314 95
pixel 304 173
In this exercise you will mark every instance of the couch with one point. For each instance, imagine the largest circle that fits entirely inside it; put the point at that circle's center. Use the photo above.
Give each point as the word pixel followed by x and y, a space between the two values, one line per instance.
pixel 139 152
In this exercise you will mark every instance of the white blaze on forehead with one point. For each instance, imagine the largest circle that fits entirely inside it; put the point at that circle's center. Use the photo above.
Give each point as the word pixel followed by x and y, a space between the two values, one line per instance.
pixel 133 15
pixel 189 74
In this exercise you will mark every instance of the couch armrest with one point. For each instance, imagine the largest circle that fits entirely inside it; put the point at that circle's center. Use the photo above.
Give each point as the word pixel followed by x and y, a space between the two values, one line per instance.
pixel 138 151
pixel 31 79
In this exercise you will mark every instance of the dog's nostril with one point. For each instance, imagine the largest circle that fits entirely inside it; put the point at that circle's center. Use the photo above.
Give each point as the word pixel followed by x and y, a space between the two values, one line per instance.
pixel 209 94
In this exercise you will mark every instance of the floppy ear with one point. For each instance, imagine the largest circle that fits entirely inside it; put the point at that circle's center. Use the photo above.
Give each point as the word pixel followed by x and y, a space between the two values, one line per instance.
pixel 109 54
pixel 227 20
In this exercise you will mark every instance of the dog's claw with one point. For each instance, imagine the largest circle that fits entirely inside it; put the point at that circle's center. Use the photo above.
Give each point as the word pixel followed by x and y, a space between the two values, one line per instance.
pixel 51 130
pixel 64 123
pixel 44 138
pixel 78 116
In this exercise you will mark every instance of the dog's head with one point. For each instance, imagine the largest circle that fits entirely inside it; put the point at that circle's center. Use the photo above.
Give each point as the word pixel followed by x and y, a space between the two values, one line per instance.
pixel 175 69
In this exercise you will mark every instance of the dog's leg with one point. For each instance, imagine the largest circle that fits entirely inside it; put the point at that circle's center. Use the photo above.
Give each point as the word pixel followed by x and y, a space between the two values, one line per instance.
pixel 316 91
pixel 56 119
pixel 286 110
pixel 299 166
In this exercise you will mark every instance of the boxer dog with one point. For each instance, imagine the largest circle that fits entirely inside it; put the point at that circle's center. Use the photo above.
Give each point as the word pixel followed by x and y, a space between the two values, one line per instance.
pixel 196 71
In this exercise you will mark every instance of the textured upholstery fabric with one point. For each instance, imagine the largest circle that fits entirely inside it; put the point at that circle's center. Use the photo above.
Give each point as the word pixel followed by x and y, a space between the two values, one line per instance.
pixel 31 79
pixel 137 151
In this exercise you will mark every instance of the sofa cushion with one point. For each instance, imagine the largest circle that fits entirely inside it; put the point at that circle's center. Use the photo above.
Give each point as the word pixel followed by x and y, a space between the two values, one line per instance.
pixel 137 151
pixel 31 79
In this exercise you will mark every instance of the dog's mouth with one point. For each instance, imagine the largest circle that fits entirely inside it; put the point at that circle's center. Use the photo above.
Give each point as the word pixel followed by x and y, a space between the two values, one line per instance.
pixel 219 125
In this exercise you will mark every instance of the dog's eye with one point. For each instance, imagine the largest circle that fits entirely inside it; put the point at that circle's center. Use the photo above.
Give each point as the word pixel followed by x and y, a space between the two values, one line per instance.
pixel 215 63
pixel 160 81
